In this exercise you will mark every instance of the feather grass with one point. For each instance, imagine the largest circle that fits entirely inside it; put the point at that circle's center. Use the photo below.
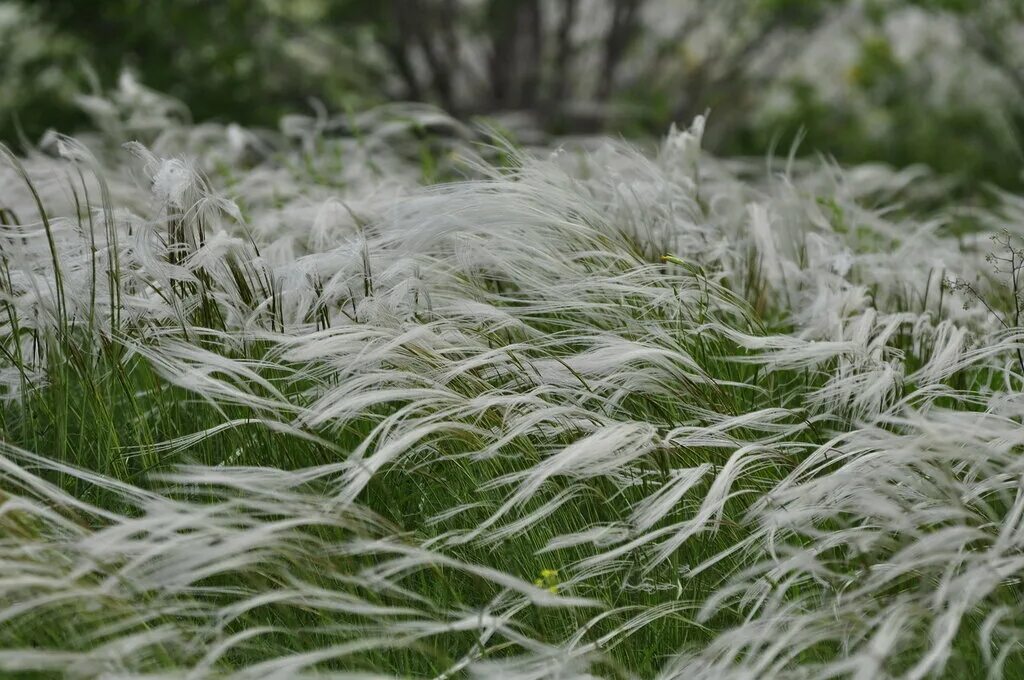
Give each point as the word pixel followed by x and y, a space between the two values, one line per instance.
pixel 263 419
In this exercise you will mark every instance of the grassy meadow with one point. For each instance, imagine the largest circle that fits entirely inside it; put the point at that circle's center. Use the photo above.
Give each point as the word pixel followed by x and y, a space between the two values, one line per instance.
pixel 387 396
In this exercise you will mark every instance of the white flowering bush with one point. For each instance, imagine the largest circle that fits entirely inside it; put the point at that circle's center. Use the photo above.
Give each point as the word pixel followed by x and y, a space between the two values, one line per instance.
pixel 357 401
pixel 929 82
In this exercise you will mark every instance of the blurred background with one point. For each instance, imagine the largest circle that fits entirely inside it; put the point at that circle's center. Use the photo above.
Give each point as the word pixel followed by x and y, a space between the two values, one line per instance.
pixel 932 82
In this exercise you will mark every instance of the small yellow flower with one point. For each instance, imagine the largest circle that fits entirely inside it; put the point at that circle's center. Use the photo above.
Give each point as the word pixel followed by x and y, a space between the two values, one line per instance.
pixel 548 579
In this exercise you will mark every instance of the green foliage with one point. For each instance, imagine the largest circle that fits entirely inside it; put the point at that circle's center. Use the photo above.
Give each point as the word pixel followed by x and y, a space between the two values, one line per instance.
pixel 35 65
pixel 796 12
pixel 231 60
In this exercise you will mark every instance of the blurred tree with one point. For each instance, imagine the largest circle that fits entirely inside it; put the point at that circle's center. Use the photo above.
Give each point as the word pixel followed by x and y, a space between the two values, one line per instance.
pixel 860 77
pixel 938 82
pixel 242 60
pixel 495 55
pixel 35 63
